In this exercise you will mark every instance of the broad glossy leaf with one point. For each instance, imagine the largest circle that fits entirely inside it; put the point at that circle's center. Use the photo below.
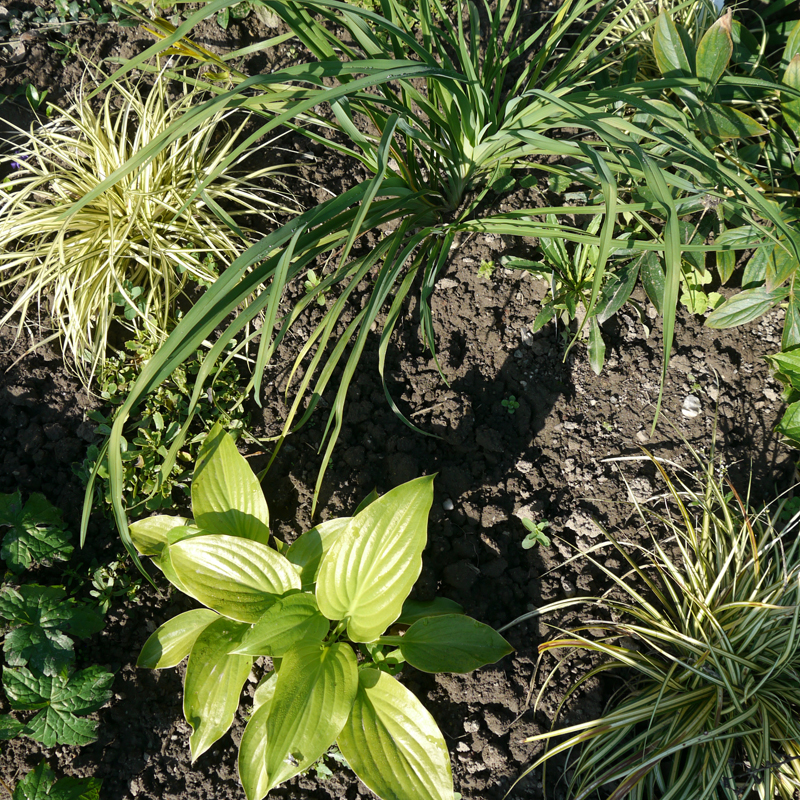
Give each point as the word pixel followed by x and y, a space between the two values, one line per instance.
pixel 790 104
pixel 452 643
pixel 669 48
pixel 285 623
pixel 714 52
pixel 213 683
pixel 226 494
pixel 745 307
pixel 367 574
pixel 59 699
pixel 173 641
pixel 313 696
pixel 393 743
pixel 792 44
pixel 414 610
pixel 251 762
pixel 237 577
pixel 149 535
pixel 789 426
pixel 41 784
pixel 307 551
pixel 788 364
pixel 727 122
pixel 597 347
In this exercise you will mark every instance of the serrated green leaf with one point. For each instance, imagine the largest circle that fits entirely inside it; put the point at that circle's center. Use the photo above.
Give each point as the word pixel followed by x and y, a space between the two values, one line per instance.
pixel 214 681
pixel 61 699
pixel 367 574
pixel 714 52
pixel 236 577
pixel 452 643
pixel 173 641
pixel 307 551
pixel 727 122
pixel 149 535
pixel 37 534
pixel 41 784
pixel 40 617
pixel 745 307
pixel 313 696
pixel 414 610
pixel 226 495
pixel 10 728
pixel 393 743
pixel 597 347
pixel 288 621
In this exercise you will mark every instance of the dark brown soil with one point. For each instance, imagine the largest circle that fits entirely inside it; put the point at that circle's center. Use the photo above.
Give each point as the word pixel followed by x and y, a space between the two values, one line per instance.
pixel 544 462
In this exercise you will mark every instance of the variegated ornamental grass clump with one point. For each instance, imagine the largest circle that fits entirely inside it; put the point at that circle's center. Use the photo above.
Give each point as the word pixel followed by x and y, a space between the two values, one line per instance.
pixel 705 627
pixel 128 254
pixel 331 611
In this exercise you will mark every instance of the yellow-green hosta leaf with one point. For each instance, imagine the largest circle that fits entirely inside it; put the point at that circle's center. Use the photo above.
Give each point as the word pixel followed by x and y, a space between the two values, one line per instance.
pixel 369 570
pixel 727 122
pixel 226 494
pixel 237 577
pixel 253 748
pixel 307 551
pixel 393 743
pixel 790 104
pixel 714 52
pixel 452 643
pixel 213 683
pixel 313 696
pixel 149 535
pixel 164 562
pixel 173 641
pixel 285 623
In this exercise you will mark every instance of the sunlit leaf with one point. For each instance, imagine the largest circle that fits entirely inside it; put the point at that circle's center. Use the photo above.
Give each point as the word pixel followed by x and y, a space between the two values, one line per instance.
pixel 173 641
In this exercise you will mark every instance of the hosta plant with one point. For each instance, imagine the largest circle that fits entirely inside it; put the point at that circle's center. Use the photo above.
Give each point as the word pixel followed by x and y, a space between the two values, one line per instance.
pixel 705 625
pixel 330 611
pixel 131 253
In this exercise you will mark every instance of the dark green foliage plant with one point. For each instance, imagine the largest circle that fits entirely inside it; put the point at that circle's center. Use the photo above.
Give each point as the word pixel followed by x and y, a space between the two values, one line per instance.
pixel 37 533
pixel 336 633
pixel 41 784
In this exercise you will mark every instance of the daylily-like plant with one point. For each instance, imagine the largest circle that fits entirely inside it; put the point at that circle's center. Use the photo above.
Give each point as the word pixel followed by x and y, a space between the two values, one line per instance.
pixel 330 611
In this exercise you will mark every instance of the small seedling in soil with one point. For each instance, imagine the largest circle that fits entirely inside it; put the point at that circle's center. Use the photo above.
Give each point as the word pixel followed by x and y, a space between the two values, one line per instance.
pixel 486 270
pixel 536 534
pixel 311 282
pixel 511 404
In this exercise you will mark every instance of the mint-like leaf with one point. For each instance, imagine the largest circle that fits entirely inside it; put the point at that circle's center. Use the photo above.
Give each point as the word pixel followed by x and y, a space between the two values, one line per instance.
pixel 37 532
pixel 40 618
pixel 59 699
pixel 41 784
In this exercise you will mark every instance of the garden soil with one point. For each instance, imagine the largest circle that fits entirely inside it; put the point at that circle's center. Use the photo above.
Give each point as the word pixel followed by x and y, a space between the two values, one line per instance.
pixel 550 460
